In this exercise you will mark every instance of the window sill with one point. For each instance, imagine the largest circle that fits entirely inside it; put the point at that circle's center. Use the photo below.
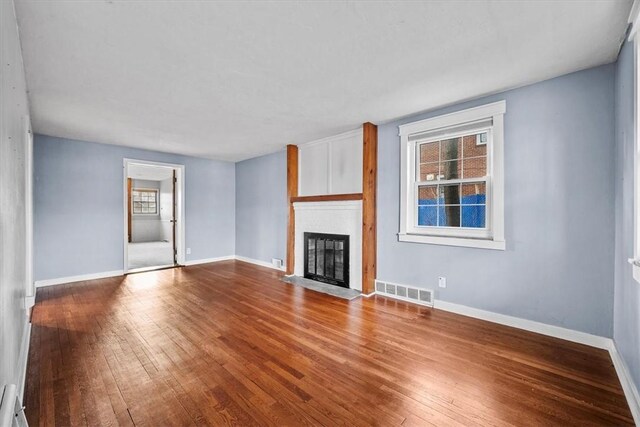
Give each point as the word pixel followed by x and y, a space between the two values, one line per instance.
pixel 453 241
pixel 636 269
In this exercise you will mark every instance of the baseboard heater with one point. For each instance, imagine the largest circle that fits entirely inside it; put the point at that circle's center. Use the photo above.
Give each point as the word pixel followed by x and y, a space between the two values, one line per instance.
pixel 11 410
pixel 405 293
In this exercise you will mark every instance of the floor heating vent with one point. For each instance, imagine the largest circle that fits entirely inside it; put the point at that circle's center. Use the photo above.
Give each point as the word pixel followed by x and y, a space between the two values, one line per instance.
pixel 405 293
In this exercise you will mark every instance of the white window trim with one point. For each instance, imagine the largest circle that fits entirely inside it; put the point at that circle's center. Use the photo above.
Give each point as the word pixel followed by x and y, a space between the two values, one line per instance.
pixel 634 19
pixel 495 209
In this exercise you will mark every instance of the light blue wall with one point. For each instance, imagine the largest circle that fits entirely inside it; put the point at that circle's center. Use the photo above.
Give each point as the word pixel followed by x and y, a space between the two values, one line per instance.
pixel 261 207
pixel 78 206
pixel 626 323
pixel 559 197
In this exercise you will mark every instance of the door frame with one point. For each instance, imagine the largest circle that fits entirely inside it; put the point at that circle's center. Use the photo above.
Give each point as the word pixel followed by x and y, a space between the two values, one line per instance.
pixel 179 203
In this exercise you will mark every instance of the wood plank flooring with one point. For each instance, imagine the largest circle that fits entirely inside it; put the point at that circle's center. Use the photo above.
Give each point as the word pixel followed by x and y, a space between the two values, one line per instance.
pixel 229 343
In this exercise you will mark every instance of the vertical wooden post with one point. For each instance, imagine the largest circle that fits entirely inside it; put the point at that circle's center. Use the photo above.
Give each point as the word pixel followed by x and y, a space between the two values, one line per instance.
pixel 369 186
pixel 292 191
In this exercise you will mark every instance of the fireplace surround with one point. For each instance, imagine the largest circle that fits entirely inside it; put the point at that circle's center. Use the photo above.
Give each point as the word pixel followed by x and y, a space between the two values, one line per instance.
pixel 331 217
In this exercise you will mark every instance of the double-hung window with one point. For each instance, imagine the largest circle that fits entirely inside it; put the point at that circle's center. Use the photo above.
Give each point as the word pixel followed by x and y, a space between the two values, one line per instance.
pixel 452 190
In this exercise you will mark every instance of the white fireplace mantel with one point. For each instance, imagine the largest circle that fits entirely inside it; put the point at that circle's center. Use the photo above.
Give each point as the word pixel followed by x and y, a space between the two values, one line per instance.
pixel 333 217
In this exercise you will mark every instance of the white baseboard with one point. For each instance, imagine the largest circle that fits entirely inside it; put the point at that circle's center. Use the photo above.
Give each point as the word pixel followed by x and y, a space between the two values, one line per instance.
pixel 71 279
pixel 258 262
pixel 628 386
pixel 83 277
pixel 22 360
pixel 208 260
pixel 527 325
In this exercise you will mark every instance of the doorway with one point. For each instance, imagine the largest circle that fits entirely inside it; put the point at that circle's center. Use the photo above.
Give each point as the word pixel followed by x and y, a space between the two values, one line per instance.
pixel 154 213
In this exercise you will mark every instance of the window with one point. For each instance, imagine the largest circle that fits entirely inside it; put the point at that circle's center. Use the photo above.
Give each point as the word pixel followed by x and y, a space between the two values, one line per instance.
pixel 145 201
pixel 452 185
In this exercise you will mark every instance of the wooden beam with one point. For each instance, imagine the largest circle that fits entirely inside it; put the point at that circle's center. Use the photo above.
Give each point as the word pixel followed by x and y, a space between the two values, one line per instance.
pixel 292 191
pixel 369 186
pixel 328 198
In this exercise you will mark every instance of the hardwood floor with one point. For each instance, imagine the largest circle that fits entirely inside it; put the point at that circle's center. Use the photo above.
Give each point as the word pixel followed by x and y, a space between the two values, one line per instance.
pixel 229 343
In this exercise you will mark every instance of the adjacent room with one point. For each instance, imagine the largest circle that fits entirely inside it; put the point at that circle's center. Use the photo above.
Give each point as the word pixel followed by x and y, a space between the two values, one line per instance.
pixel 152 220
pixel 388 213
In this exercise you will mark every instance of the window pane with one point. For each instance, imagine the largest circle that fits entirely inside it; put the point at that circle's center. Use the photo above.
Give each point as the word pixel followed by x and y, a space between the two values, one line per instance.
pixel 474 167
pixel 451 149
pixel 449 216
pixel 428 215
pixel 450 169
pixel 472 147
pixel 430 152
pixel 450 194
pixel 429 172
pixel 474 216
pixel 427 195
pixel 474 194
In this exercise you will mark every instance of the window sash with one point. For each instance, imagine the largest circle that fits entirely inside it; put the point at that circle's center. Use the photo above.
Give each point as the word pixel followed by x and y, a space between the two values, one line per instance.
pixel 476 232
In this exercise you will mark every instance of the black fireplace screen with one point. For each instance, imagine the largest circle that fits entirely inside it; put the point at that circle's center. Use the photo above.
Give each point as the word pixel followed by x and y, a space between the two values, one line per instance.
pixel 326 258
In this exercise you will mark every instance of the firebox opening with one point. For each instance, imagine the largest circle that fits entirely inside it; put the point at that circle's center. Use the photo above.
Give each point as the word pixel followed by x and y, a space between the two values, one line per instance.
pixel 326 258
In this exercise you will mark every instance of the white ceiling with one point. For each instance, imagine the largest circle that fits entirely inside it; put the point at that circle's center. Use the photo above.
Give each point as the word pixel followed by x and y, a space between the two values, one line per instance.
pixel 234 80
pixel 149 172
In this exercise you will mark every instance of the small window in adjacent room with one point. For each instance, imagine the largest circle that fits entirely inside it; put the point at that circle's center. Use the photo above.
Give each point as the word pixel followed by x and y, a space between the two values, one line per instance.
pixel 452 179
pixel 144 201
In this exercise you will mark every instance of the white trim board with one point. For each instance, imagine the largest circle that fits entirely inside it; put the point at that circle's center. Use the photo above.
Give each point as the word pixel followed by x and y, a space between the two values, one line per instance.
pixel 115 273
pixel 634 19
pixel 208 260
pixel 527 325
pixel 626 381
pixel 234 257
pixel 23 358
pixel 80 278
pixel 258 262
pixel 30 301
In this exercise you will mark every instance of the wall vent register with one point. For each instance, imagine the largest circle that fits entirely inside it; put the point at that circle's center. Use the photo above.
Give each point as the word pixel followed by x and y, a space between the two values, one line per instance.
pixel 405 293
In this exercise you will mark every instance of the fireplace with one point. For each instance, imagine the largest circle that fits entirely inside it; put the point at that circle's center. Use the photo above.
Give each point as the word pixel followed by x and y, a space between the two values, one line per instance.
pixel 326 258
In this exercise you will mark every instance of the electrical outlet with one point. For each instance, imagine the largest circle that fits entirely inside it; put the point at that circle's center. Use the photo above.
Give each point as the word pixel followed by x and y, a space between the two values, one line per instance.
pixel 188 251
pixel 442 282
pixel 276 262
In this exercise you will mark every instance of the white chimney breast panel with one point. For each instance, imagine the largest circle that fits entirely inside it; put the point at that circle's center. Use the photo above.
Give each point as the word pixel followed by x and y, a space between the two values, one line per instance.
pixel 332 165
pixel 313 167
pixel 345 164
